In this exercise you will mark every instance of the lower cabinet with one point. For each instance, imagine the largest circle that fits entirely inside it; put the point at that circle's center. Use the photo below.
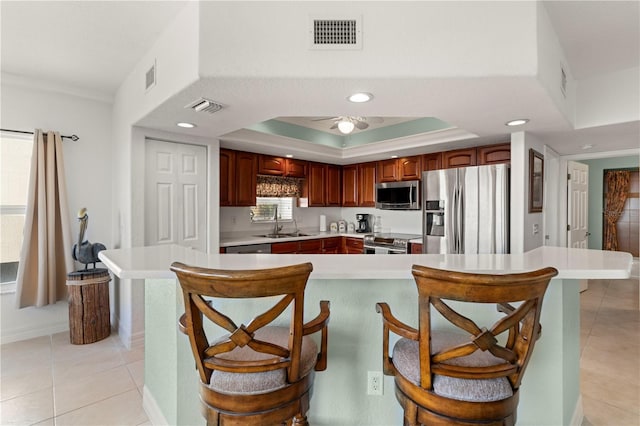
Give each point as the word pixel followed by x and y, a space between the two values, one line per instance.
pixel 416 248
pixel 331 245
pixel 352 245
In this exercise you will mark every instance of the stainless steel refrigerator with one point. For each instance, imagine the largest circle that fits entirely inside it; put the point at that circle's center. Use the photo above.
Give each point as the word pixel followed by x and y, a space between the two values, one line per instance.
pixel 466 210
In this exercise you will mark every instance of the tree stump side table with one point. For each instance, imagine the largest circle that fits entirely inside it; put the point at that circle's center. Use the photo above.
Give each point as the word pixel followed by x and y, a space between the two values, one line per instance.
pixel 89 315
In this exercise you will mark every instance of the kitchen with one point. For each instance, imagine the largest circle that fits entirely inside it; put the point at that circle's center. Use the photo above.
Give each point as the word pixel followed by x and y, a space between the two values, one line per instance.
pixel 457 80
pixel 332 200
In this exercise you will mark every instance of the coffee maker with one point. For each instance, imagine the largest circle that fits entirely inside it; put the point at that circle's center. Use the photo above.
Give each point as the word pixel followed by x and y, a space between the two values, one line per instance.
pixel 362 223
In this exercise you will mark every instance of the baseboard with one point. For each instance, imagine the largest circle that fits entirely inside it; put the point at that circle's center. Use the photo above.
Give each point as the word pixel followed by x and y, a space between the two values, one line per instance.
pixel 578 413
pixel 18 334
pixel 152 408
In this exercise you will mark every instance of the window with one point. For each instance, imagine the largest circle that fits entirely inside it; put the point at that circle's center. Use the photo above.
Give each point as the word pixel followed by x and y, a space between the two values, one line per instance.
pixel 15 161
pixel 265 208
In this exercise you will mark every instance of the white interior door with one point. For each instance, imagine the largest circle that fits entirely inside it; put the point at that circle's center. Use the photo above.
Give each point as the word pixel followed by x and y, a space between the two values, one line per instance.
pixel 578 205
pixel 578 209
pixel 175 194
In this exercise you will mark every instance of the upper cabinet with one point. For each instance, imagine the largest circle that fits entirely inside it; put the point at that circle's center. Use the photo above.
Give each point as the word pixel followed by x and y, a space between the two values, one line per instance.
pixel 396 169
pixel 459 158
pixel 432 161
pixel 246 178
pixel 238 178
pixel 324 185
pixel 350 185
pixel 367 184
pixel 278 166
pixel 494 154
pixel 296 168
pixel 269 165
pixel 227 177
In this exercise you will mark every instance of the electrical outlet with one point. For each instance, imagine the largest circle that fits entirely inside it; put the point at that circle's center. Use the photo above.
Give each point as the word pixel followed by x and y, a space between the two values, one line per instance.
pixel 374 383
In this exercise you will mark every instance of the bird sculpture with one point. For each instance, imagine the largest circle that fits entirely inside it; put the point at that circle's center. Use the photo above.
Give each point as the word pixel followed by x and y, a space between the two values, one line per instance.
pixel 84 251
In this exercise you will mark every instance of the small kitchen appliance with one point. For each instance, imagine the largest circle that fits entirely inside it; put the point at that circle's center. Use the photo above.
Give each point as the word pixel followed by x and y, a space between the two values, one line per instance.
pixel 362 223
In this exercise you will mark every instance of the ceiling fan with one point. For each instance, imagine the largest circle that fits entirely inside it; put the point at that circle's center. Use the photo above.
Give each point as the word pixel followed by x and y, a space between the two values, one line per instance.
pixel 347 123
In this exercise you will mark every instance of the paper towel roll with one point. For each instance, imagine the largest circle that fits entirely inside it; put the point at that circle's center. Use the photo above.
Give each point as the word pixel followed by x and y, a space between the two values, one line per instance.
pixel 323 223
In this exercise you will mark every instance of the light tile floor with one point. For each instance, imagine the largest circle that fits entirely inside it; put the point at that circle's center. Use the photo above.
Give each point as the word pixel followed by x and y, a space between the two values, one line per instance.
pixel 48 381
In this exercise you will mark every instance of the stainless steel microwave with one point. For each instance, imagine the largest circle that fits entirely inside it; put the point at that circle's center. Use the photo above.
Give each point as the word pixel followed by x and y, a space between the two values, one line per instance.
pixel 398 195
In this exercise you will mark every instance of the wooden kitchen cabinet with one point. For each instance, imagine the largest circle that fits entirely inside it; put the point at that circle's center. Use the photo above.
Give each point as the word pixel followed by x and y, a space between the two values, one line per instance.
pixel 397 169
pixel 416 248
pixel 310 246
pixel 494 154
pixel 296 168
pixel 432 161
pixel 334 186
pixel 316 182
pixel 387 171
pixel 410 168
pixel 350 185
pixel 459 158
pixel 270 165
pixel 352 245
pixel 331 245
pixel 287 247
pixel 227 177
pixel 246 178
pixel 367 184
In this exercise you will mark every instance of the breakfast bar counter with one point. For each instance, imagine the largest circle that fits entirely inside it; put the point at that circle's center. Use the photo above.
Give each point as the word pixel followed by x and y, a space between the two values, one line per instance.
pixel 550 393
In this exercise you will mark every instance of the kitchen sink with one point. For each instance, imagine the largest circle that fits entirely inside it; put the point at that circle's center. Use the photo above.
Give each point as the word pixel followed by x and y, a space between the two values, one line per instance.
pixel 285 235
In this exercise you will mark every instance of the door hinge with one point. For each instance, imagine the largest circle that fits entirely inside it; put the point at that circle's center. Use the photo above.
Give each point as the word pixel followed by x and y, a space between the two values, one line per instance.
pixel 568 227
pixel 568 176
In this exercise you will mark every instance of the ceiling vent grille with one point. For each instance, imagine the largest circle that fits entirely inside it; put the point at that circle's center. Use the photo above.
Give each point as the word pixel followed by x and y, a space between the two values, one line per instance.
pixel 335 33
pixel 206 105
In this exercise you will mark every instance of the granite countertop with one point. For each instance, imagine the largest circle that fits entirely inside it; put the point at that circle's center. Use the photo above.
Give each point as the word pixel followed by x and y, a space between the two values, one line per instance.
pixel 246 238
pixel 154 262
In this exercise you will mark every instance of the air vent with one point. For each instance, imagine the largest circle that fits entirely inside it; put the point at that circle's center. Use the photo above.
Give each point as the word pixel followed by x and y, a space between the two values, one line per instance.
pixel 150 77
pixel 206 105
pixel 338 34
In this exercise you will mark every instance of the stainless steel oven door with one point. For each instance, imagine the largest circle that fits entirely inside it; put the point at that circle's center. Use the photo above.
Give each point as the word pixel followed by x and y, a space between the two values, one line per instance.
pixel 384 250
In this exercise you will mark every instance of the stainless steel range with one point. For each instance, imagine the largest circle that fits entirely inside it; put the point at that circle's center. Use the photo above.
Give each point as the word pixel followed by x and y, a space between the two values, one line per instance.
pixel 387 243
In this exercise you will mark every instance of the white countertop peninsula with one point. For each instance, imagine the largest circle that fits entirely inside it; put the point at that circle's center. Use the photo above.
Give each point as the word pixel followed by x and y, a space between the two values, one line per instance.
pixel 353 284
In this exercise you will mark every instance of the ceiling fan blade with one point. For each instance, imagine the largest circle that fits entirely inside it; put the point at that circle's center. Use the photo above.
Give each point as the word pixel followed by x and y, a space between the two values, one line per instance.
pixel 335 126
pixel 325 118
pixel 375 119
pixel 361 125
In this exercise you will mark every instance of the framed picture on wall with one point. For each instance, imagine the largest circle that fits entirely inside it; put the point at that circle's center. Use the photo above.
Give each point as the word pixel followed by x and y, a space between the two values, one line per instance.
pixel 536 174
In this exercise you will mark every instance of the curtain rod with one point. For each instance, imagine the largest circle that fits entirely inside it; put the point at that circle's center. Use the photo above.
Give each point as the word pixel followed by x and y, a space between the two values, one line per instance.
pixel 72 137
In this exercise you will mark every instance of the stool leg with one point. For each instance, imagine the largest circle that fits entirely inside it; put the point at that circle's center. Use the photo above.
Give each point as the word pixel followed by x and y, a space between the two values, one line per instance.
pixel 410 414
pixel 301 420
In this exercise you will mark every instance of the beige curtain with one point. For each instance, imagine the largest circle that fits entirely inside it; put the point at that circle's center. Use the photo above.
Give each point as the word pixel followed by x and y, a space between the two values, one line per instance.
pixel 46 258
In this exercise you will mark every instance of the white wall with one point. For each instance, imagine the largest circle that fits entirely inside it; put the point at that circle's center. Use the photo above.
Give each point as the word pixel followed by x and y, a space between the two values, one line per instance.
pixel 88 177
pixel 522 237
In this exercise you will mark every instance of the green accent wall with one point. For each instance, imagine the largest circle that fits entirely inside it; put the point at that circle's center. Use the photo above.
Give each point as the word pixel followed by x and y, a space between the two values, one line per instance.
pixel 596 191
pixel 409 128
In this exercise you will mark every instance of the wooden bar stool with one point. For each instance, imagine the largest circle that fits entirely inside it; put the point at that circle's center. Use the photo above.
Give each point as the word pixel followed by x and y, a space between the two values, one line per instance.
pixel 256 374
pixel 468 375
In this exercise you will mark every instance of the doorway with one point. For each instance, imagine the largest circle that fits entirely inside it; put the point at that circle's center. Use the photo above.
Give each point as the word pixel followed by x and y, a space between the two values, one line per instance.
pixel 628 223
pixel 175 194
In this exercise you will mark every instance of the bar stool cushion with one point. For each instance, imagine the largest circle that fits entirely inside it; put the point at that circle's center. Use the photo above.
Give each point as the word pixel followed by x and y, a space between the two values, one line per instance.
pixel 268 381
pixel 406 359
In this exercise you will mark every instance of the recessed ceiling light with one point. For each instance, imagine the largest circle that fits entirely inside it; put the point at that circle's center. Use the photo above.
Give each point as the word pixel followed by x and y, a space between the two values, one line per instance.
pixel 394 156
pixel 518 122
pixel 587 146
pixel 360 97
pixel 289 156
pixel 186 125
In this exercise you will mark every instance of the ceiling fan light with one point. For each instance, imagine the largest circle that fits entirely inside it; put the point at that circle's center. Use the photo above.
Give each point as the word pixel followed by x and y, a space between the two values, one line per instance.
pixel 346 126
pixel 360 97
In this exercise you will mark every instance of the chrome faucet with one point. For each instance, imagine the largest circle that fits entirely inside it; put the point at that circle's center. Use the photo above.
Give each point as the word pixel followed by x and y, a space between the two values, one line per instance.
pixel 276 228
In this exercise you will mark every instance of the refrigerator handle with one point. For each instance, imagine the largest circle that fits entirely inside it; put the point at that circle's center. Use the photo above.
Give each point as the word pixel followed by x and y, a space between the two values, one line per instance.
pixel 460 219
pixel 454 221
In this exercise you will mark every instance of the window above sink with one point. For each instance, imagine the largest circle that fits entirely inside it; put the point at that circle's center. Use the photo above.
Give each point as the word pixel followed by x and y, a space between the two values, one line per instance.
pixel 264 210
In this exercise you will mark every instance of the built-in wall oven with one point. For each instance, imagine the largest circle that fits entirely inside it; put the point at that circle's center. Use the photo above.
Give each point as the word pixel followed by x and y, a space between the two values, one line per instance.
pixel 387 243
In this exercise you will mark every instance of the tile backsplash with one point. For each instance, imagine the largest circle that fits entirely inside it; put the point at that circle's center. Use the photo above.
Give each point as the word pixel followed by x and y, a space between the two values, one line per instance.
pixel 236 219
